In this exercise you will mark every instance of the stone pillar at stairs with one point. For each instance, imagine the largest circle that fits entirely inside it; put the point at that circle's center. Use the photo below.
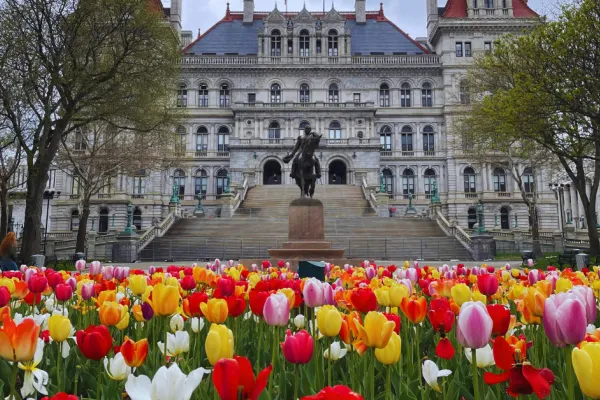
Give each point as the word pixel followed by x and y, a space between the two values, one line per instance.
pixel 227 202
pixel 91 245
pixel 383 201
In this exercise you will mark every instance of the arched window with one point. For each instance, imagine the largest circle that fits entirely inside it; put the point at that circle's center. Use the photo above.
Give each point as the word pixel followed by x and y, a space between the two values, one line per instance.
pixel 469 177
pixel 528 181
pixel 304 43
pixel 274 132
pixel 388 178
pixel 181 140
pixel 407 138
pixel 428 140
pixel 405 95
pixel 223 139
pixel 426 95
pixel 499 180
pixel 504 218
pixel 103 221
pixel 429 177
pixel 275 43
pixel 304 93
pixel 303 126
pixel 335 131
pixel 384 95
pixel 334 93
pixel 489 3
pixel 182 95
pixel 137 219
pixel 202 139
pixel 224 96
pixel 201 184
pixel 222 182
pixel 179 181
pixel 74 220
pixel 333 43
pixel 465 95
pixel 408 182
pixel 275 93
pixel 385 138
pixel 203 95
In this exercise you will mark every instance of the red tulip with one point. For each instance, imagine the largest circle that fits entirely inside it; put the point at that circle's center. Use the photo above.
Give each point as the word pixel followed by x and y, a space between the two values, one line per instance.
pixel 236 305
pixel 95 342
pixel 444 349
pixel 61 396
pixel 395 319
pixel 37 283
pixel 487 284
pixel 298 348
pixel 63 292
pixel 54 279
pixel 501 318
pixel 234 374
pixel 257 301
pixel 364 300
pixel 4 296
pixel 440 315
pixel 32 298
pixel 225 287
pixel 338 392
pixel 188 283
pixel 191 304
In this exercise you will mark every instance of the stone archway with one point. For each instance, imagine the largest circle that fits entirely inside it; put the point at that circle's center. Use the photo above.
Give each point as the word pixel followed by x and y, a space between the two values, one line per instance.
pixel 338 172
pixel 272 173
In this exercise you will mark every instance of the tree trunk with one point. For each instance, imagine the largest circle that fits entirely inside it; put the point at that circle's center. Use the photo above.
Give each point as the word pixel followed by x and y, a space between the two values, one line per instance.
pixel 535 231
pixel 82 230
pixel 592 226
pixel 32 232
pixel 3 212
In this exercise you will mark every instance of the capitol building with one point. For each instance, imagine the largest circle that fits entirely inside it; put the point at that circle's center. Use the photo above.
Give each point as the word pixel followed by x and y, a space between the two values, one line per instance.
pixel 383 101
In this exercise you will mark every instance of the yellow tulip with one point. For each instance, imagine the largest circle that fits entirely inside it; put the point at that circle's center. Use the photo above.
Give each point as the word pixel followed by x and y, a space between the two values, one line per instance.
pixel 234 273
pixel 253 278
pixel 138 284
pixel 515 273
pixel 516 292
pixel 563 285
pixel 110 313
pixel 59 327
pixel 505 276
pixel 165 299
pixel 329 320
pixel 215 310
pixel 219 343
pixel 390 354
pixel 383 296
pixel 289 293
pixel 586 363
pixel 124 321
pixel 172 281
pixel 460 294
pixel 8 284
pixel 376 330
pixel 478 296
pixel 137 313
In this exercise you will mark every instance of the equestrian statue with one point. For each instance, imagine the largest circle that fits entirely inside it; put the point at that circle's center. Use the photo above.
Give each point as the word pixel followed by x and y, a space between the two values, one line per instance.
pixel 306 168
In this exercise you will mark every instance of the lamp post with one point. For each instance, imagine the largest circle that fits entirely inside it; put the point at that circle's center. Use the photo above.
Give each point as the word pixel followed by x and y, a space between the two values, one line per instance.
pixel 48 195
pixel 480 220
pixel 559 189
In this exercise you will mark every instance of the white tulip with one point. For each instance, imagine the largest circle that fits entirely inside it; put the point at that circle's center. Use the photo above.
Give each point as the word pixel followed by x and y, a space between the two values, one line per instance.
pixel 34 378
pixel 116 368
pixel 177 343
pixel 336 351
pixel 197 324
pixel 431 373
pixel 590 329
pixel 485 357
pixel 176 323
pixel 299 321
pixel 168 384
pixel 49 304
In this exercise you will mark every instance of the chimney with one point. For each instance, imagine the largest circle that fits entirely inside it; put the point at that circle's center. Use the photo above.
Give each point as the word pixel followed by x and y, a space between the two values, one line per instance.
pixel 248 11
pixel 361 11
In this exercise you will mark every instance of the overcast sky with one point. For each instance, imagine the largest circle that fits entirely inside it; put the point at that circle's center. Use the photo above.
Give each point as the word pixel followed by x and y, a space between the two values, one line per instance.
pixel 409 15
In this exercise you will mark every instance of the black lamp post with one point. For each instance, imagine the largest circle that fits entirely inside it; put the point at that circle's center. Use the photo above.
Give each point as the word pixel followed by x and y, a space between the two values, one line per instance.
pixel 559 189
pixel 48 195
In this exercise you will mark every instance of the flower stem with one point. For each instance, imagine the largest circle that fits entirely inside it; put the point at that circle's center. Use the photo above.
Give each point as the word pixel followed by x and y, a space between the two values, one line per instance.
pixel 296 372
pixel 570 380
pixel 372 375
pixel 273 359
pixel 418 360
pixel 166 337
pixel 475 374
pixel 13 383
pixel 330 340
pixel 388 383
pixel 58 369
pixel 259 347
pixel 99 385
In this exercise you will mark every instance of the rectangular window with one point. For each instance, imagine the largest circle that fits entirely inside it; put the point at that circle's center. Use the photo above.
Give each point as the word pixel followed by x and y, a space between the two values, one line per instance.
pixel 487 46
pixel 251 98
pixel 386 142
pixel 469 183
pixel 428 142
pixel 467 49
pixel 357 97
pixel 76 186
pixel 407 142
pixel 201 186
pixel 459 49
pixel 319 46
pixel 201 142
pixel 290 46
pixel 223 142
pixel 139 185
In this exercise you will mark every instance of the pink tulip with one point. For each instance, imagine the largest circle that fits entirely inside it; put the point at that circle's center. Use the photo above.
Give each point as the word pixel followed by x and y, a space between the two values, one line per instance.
pixel 412 275
pixel 72 282
pixel 152 270
pixel 530 263
pixel 87 291
pixel 408 284
pixel 534 276
pixel 565 319
pixel 328 294
pixel 23 268
pixel 313 293
pixel 276 310
pixel 254 268
pixel 95 268
pixel 507 267
pixel 298 348
pixel 80 265
pixel 586 295
pixel 552 279
pixel 370 272
pixel 474 325
pixel 108 272
pixel 416 264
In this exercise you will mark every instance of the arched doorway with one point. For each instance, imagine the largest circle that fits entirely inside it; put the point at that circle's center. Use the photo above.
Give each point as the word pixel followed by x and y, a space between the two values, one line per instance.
pixel 504 218
pixel 103 221
pixel 272 173
pixel 338 173
pixel 137 219
pixel 472 217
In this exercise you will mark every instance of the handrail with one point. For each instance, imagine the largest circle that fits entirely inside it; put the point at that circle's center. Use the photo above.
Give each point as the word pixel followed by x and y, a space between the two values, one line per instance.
pixel 240 196
pixel 416 59
pixel 155 232
pixel 454 231
pixel 369 196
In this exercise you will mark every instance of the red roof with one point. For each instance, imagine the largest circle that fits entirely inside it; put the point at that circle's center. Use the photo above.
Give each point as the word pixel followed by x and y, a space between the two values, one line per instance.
pixel 458 9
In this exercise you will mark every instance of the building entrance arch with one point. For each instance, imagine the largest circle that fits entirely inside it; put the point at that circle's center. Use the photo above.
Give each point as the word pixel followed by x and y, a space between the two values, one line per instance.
pixel 272 173
pixel 338 173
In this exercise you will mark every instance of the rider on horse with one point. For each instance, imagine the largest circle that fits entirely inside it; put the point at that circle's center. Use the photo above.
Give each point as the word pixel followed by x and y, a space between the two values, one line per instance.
pixel 300 144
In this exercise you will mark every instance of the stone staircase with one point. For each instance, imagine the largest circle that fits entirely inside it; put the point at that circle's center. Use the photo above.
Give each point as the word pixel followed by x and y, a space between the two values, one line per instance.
pixel 261 223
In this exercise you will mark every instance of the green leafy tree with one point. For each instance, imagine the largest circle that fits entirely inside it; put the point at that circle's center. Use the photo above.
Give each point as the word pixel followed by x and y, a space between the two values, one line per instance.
pixel 65 64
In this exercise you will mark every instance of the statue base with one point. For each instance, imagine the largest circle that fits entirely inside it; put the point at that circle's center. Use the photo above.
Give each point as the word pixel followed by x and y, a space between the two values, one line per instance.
pixel 410 211
pixel 306 236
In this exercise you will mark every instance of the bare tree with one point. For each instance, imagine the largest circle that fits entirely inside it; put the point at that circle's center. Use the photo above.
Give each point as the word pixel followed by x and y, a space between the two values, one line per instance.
pixel 10 159
pixel 97 153
pixel 65 64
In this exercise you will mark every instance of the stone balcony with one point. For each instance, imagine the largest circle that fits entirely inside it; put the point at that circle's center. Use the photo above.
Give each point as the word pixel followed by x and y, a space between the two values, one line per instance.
pixel 258 106
pixel 288 143
pixel 400 154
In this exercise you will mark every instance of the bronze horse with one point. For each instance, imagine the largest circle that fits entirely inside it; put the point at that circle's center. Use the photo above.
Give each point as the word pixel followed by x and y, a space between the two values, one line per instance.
pixel 305 168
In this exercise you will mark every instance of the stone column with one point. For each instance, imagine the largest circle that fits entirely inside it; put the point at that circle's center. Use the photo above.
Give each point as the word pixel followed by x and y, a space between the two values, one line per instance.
pixel 567 206
pixel 91 245
pixel 484 177
pixel 383 201
pixel 227 200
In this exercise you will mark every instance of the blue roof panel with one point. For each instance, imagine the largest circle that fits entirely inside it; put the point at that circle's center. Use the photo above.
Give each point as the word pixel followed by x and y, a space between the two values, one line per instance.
pixel 229 37
pixel 379 37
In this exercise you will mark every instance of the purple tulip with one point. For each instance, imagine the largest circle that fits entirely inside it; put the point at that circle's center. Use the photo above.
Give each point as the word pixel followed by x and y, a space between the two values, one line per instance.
pixel 370 272
pixel 313 293
pixel 87 291
pixel 507 267
pixel 108 272
pixel 152 270
pixel 147 311
pixel 95 268
pixel 327 269
pixel 586 295
pixel 277 310
pixel 475 271
pixel 80 265
pixel 565 319
pixel 474 325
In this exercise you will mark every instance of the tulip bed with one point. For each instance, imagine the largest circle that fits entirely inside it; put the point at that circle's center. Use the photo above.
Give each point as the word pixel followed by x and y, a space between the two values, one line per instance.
pixel 225 331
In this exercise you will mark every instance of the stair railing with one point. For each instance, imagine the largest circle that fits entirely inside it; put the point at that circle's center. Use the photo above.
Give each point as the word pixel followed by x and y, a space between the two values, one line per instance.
pixel 157 231
pixel 369 195
pixel 452 229
pixel 240 196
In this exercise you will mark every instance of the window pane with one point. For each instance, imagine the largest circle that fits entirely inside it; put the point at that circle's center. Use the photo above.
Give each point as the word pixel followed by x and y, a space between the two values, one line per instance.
pixel 459 51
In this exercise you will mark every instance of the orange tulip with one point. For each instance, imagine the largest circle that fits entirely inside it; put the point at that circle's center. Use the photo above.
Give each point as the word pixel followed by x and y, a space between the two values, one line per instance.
pixel 18 342
pixel 134 353
pixel 106 295
pixel 203 275
pixel 110 313
pixel 534 302
pixel 413 308
pixel 21 290
pixel 349 330
pixel 136 310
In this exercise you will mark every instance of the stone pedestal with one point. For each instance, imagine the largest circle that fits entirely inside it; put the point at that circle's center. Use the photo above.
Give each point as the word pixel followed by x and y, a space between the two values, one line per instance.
pixel 227 200
pixel 125 249
pixel 91 245
pixel 306 236
pixel 484 247
pixel 383 204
